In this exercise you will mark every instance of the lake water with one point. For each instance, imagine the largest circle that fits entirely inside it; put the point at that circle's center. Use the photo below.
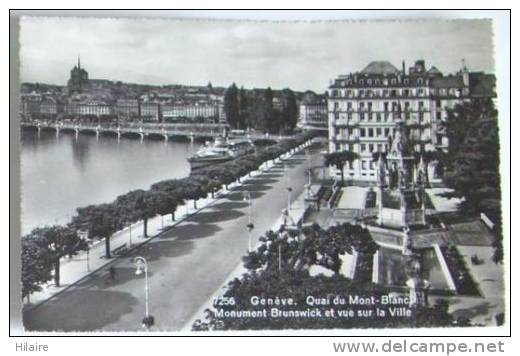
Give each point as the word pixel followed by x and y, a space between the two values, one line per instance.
pixel 60 174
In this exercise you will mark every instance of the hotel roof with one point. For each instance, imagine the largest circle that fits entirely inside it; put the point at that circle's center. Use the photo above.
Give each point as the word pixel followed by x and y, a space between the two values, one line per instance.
pixel 380 67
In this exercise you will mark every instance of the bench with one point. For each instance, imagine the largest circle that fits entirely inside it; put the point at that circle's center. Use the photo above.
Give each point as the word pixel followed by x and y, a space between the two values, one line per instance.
pixel 121 250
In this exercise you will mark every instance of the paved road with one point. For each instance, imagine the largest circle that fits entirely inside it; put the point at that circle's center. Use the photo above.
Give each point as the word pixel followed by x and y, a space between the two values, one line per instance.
pixel 186 264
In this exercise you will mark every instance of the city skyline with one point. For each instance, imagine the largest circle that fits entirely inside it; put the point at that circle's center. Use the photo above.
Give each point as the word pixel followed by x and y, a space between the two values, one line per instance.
pixel 126 49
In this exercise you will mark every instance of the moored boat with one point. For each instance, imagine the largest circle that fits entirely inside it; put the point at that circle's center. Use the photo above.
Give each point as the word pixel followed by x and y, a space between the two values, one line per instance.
pixel 220 151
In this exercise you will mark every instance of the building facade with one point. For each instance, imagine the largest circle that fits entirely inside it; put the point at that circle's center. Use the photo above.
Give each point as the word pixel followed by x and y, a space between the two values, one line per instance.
pixel 363 109
pixel 313 112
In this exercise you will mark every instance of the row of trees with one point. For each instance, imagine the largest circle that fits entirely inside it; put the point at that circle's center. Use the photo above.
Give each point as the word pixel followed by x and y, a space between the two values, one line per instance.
pixel 43 248
pixel 256 109
pixel 297 251
pixel 471 165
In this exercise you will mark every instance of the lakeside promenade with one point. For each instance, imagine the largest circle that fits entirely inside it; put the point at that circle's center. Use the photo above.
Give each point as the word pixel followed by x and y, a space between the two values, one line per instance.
pixel 187 263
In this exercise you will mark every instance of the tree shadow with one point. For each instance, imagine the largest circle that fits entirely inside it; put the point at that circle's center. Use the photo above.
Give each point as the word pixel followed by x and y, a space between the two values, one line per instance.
pixel 209 217
pixel 230 205
pixel 158 249
pixel 239 197
pixel 102 280
pixel 262 181
pixel 80 310
pixel 252 187
pixel 271 175
pixel 189 232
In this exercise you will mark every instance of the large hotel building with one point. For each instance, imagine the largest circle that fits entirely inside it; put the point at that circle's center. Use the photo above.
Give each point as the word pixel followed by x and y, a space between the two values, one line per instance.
pixel 363 108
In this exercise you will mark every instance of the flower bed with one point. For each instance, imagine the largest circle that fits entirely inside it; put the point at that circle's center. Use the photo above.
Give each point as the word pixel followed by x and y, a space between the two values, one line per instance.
pixel 458 270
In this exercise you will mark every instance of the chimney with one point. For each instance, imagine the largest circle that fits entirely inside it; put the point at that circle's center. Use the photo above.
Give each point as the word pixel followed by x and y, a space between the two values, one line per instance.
pixel 404 68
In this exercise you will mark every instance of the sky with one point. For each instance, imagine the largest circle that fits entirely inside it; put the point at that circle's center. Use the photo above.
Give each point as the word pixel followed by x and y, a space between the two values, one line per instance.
pixel 297 55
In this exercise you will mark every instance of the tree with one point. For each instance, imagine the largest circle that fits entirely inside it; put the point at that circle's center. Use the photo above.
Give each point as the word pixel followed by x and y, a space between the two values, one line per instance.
pixel 290 110
pixel 231 106
pixel 243 117
pixel 36 266
pixel 174 198
pixel 471 165
pixel 101 221
pixel 146 205
pixel 56 242
pixel 268 114
pixel 338 160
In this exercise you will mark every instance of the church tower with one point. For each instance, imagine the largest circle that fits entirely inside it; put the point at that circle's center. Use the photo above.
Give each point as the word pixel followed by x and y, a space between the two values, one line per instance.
pixel 78 81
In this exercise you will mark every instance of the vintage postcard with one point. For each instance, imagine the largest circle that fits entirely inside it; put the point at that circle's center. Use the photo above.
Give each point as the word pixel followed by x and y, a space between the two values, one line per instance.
pixel 202 176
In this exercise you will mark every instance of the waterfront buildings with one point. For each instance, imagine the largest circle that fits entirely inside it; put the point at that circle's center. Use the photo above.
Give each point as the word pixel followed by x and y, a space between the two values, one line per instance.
pixel 363 108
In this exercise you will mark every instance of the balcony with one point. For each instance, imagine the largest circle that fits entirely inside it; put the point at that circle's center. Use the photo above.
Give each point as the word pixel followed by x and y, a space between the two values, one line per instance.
pixel 346 139
pixel 345 123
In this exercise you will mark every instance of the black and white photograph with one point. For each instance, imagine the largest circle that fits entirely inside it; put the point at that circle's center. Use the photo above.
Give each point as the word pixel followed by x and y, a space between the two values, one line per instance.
pixel 208 176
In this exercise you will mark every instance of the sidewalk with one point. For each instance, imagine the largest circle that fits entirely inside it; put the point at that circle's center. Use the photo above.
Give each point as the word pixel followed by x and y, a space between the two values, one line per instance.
pixel 82 265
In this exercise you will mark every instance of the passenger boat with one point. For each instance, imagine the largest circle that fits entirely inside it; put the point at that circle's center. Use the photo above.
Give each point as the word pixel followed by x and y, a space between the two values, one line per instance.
pixel 220 151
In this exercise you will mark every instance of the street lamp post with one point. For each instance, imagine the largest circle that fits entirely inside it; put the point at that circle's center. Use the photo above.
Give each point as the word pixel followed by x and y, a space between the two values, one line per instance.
pixel 142 266
pixel 289 190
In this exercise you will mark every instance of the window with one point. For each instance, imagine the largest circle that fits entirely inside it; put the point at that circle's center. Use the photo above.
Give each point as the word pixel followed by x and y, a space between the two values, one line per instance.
pixel 371 148
pixel 379 132
pixel 419 81
pixel 386 106
pixel 406 81
pixel 421 105
pixel 420 91
pixel 406 92
pixel 438 103
pixel 349 92
pixel 349 106
pixel 393 81
pixel 336 106
pixel 438 115
pixel 378 117
pixel 362 93
pixel 369 81
pixel 369 106
pixel 361 81
pixel 362 132
pixel 362 105
pixel 363 149
pixel 370 132
pixel 363 164
pixel 362 116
